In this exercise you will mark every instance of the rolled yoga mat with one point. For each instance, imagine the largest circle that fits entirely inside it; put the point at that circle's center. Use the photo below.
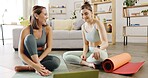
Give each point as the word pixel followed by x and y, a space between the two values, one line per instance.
pixel 120 64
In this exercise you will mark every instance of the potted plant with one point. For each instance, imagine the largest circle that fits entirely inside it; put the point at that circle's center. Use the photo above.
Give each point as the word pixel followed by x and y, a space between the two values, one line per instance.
pixel 21 19
pixel 73 15
pixel 129 2
pixel 23 22
pixel 144 12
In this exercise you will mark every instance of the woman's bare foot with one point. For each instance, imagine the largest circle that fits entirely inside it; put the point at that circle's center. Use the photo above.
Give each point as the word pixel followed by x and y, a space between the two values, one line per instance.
pixel 88 64
pixel 91 65
pixel 24 68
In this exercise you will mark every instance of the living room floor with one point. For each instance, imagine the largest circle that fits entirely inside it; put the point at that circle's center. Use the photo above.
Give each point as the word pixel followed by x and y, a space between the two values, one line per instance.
pixel 139 52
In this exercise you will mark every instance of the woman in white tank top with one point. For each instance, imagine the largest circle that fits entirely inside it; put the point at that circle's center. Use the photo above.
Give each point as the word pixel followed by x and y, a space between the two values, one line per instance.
pixel 93 32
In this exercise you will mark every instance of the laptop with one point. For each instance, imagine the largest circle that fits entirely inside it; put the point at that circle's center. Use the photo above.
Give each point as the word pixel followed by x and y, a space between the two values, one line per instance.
pixel 79 74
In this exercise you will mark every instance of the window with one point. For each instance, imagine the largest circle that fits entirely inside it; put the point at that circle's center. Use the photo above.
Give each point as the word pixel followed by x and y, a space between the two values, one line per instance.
pixel 11 10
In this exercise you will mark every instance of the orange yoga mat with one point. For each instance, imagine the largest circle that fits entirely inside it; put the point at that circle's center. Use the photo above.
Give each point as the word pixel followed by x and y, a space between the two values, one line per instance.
pixel 120 64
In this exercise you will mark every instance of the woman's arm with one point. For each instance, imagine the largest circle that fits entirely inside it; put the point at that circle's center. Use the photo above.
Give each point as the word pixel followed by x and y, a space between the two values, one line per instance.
pixel 49 43
pixel 23 34
pixel 85 42
pixel 103 35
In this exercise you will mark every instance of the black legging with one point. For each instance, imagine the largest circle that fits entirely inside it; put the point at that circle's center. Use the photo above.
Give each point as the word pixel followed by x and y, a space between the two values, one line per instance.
pixel 49 62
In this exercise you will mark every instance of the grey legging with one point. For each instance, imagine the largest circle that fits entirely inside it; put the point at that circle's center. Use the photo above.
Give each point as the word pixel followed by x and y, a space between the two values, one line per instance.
pixel 75 56
pixel 49 62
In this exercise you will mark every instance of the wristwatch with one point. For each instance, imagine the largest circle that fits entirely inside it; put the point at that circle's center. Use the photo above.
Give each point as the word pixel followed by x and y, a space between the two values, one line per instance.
pixel 98 46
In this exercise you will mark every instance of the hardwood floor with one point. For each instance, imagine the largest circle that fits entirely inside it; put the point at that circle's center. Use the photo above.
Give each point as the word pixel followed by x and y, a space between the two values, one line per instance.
pixel 139 52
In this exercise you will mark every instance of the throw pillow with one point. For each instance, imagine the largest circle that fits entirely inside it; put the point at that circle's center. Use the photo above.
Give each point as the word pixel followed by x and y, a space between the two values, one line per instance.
pixel 77 25
pixel 62 24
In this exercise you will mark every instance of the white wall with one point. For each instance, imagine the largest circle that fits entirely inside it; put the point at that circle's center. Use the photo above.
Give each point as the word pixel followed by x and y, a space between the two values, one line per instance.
pixel 69 7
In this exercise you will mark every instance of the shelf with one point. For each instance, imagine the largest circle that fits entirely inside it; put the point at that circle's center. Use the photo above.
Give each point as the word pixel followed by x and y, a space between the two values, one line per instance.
pixel 111 12
pixel 137 6
pixel 102 12
pixel 58 8
pixel 109 32
pixel 126 14
pixel 136 16
pixel 136 26
pixel 105 2
pixel 107 22
pixel 135 35
pixel 57 13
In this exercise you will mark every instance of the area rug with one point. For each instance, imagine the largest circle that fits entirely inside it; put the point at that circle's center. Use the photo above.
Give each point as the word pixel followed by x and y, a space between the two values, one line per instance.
pixel 62 68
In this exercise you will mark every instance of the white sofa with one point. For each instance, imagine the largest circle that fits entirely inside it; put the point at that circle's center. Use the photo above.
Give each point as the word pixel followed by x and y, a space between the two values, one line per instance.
pixel 16 34
pixel 67 39
pixel 64 35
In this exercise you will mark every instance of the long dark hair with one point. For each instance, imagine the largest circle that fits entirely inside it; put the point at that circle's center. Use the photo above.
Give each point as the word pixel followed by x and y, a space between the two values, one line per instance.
pixel 33 21
pixel 86 5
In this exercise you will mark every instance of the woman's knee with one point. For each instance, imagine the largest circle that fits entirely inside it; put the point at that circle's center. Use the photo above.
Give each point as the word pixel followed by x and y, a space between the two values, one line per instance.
pixel 29 39
pixel 91 58
pixel 72 59
pixel 52 63
pixel 30 44
pixel 56 62
pixel 65 55
pixel 103 55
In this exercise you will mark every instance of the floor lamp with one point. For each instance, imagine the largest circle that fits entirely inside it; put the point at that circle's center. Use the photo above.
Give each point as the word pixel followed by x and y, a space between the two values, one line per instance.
pixel 2 25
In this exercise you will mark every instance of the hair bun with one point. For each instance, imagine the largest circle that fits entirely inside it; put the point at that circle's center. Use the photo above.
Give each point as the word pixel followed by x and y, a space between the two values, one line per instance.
pixel 86 3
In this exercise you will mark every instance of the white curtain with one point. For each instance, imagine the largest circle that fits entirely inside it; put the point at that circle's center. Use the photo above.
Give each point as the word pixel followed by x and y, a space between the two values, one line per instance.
pixel 27 7
pixel 44 3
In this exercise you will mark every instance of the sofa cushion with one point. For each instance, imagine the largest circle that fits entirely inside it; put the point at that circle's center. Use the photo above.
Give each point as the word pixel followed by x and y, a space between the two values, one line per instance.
pixel 60 34
pixel 63 24
pixel 67 44
pixel 77 25
pixel 75 34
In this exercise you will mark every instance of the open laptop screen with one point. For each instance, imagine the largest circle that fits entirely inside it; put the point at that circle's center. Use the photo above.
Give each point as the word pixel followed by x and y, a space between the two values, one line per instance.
pixel 79 74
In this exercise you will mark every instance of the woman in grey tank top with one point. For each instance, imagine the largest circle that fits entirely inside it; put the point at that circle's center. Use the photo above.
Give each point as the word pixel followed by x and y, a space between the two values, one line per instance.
pixel 93 31
pixel 36 43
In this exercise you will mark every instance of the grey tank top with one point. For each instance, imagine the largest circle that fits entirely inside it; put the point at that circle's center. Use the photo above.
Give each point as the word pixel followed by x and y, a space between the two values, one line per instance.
pixel 93 35
pixel 41 41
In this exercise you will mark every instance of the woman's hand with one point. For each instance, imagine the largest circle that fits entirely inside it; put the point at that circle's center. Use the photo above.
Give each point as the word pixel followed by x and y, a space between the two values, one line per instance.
pixel 41 70
pixel 83 57
pixel 96 54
